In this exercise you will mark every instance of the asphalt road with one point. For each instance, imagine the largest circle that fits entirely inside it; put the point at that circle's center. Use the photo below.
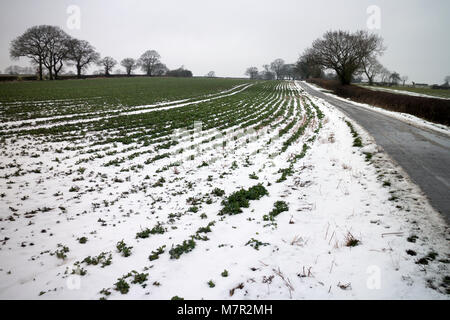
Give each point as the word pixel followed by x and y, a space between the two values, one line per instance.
pixel 423 153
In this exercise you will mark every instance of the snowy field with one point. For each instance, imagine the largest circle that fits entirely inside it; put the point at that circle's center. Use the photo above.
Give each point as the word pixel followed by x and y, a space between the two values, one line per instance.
pixel 258 192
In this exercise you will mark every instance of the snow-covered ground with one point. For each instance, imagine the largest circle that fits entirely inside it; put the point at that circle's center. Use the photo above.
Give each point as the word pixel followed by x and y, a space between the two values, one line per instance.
pixel 337 196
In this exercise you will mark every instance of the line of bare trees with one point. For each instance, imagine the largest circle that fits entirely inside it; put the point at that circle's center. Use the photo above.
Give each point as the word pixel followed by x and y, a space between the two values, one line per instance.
pixel 338 55
pixel 277 69
pixel 49 48
pixel 149 62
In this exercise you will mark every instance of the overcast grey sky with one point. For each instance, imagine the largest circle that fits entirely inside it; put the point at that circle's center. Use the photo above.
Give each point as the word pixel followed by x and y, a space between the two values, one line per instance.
pixel 230 35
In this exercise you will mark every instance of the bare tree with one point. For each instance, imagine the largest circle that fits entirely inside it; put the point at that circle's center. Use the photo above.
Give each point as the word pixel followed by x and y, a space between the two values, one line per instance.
pixel 288 71
pixel 148 60
pixel 108 63
pixel 267 74
pixel 371 68
pixel 160 69
pixel 385 74
pixel 56 50
pixel 277 67
pixel 129 64
pixel 31 44
pixel 59 55
pixel 344 52
pixel 306 67
pixel 447 80
pixel 395 78
pixel 211 74
pixel 404 79
pixel 82 53
pixel 252 72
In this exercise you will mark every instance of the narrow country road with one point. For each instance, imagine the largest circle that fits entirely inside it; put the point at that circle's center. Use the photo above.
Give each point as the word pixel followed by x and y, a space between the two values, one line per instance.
pixel 424 154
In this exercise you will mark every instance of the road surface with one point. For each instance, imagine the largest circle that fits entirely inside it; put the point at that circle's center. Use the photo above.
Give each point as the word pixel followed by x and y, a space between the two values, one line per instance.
pixel 423 153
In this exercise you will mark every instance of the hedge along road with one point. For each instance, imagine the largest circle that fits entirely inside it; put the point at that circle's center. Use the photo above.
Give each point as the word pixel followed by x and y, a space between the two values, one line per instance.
pixel 423 153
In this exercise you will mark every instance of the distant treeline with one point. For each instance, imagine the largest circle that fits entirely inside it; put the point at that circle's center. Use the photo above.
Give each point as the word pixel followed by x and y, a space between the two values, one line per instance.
pixel 28 77
pixel 49 49
pixel 338 55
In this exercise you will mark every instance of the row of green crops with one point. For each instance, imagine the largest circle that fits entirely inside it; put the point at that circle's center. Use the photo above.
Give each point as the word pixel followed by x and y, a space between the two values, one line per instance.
pixel 34 99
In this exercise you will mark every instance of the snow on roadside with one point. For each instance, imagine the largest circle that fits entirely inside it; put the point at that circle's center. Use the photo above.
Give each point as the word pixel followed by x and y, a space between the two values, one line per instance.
pixel 405 92
pixel 406 117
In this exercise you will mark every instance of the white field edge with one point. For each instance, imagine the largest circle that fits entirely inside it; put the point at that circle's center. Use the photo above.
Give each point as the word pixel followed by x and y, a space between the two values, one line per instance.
pixel 333 191
pixel 406 117
pixel 405 92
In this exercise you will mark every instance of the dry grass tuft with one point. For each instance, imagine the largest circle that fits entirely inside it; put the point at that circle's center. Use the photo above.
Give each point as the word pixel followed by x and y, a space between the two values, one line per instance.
pixel 351 241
